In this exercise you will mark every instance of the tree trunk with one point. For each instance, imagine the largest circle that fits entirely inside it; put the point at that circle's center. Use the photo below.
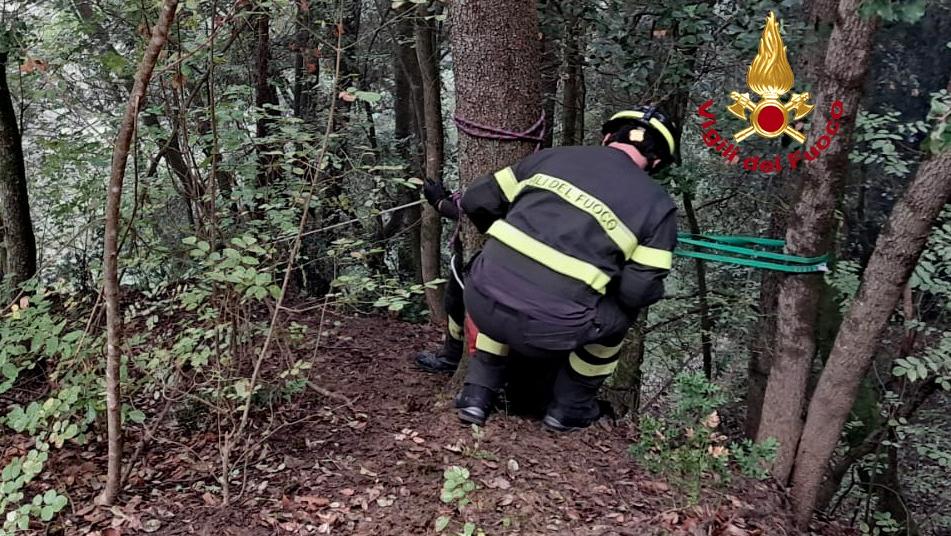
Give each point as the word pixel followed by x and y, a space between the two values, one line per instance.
pixel 496 66
pixel 408 133
pixel 265 97
pixel 706 322
pixel 785 186
pixel 549 69
pixel 811 231
pixel 625 390
pixel 431 225
pixel 120 157
pixel 896 253
pixel 573 88
pixel 19 243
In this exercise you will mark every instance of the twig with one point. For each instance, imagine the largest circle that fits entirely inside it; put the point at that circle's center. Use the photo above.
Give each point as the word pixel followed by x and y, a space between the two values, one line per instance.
pixel 232 438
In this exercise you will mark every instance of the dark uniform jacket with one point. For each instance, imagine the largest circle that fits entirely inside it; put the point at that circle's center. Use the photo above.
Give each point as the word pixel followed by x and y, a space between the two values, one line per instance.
pixel 575 235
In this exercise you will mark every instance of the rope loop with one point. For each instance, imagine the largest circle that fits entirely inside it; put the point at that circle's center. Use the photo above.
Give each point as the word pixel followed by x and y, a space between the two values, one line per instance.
pixel 534 133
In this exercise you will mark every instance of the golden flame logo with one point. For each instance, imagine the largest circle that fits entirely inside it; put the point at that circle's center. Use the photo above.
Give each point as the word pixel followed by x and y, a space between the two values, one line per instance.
pixel 770 77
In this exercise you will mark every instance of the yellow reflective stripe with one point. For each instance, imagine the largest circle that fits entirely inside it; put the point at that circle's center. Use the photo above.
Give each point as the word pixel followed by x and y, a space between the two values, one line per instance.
pixel 507 183
pixel 604 352
pixel 455 330
pixel 490 345
pixel 655 258
pixel 587 369
pixel 582 200
pixel 548 256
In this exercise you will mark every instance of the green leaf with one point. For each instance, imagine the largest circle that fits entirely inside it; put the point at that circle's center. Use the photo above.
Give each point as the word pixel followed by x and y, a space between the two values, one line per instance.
pixel 468 529
pixel 441 523
pixel 368 96
pixel 137 416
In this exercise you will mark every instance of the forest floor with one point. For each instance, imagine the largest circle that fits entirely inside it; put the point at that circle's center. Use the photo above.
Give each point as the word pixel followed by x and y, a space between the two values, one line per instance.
pixel 373 464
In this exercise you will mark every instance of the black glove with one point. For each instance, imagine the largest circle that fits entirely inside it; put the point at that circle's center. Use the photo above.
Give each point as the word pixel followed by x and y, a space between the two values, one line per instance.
pixel 434 191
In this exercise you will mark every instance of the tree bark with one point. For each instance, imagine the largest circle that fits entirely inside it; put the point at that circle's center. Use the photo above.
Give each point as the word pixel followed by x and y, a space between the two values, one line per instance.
pixel 706 322
pixel 573 88
pixel 784 187
pixel 496 69
pixel 408 133
pixel 811 231
pixel 896 253
pixel 120 157
pixel 431 224
pixel 550 65
pixel 19 242
pixel 265 97
pixel 625 390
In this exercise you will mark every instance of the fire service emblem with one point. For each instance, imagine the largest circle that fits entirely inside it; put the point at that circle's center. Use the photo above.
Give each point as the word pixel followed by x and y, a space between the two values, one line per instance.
pixel 770 77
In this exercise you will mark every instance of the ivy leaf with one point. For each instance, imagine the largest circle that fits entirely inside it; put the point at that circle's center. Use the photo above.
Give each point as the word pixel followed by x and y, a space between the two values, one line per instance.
pixel 441 523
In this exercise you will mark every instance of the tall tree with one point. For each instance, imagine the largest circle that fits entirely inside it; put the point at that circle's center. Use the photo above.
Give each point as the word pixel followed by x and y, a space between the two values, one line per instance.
pixel 431 226
pixel 781 192
pixel 896 254
pixel 265 96
pixel 110 269
pixel 811 231
pixel 497 56
pixel 19 242
pixel 496 68
pixel 572 114
pixel 408 129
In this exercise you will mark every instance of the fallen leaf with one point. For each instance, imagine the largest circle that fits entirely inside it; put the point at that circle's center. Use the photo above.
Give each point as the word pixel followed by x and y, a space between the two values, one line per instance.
pixel 347 492
pixel 507 500
pixel 499 482
pixel 670 518
pixel 151 525
pixel 512 465
pixel 651 486
pixel 383 502
pixel 209 499
pixel 367 472
pixel 347 97
pixel 312 500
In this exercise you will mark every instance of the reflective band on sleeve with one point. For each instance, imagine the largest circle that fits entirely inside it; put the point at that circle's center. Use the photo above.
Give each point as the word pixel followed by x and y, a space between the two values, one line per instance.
pixel 604 352
pixel 655 258
pixel 455 330
pixel 587 369
pixel 619 233
pixel 507 183
pixel 490 345
pixel 548 256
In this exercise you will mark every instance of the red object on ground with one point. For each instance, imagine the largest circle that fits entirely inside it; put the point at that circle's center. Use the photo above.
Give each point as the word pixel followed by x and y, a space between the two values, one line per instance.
pixel 472 331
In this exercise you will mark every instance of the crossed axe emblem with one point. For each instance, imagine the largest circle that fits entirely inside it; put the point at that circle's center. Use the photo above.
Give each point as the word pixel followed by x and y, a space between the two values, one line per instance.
pixel 770 116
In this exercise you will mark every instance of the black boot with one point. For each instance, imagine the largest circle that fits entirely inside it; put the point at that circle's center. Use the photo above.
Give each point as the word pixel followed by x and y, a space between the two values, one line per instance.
pixel 474 403
pixel 574 406
pixel 445 361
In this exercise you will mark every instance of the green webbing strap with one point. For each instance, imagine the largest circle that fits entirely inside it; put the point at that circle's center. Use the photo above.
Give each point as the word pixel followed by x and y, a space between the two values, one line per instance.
pixel 748 256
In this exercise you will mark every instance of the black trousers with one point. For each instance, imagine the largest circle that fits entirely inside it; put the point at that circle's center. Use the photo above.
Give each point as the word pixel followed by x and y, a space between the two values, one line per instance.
pixel 503 348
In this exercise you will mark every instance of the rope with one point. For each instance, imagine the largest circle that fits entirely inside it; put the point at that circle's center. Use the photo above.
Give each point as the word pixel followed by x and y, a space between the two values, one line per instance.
pixel 354 220
pixel 748 256
pixel 535 133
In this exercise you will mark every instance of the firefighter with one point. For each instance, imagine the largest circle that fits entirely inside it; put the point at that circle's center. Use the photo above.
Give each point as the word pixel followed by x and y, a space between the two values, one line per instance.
pixel 446 359
pixel 579 239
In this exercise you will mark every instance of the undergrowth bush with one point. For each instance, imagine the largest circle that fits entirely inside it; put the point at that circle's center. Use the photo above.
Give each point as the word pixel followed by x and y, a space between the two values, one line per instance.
pixel 686 447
